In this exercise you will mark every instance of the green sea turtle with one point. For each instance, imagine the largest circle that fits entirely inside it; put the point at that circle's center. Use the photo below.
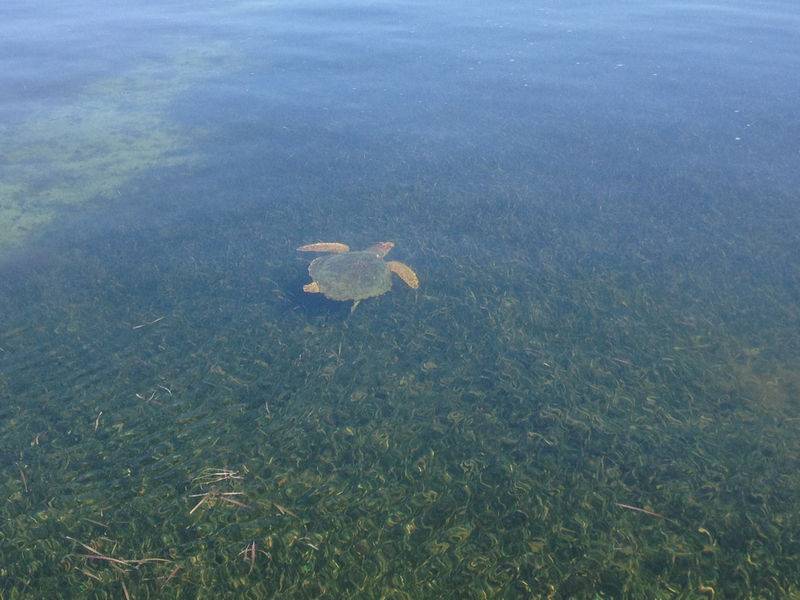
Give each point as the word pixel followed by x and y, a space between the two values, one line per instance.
pixel 345 275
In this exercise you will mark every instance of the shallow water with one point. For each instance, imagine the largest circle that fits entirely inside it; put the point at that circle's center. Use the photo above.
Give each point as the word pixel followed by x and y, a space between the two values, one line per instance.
pixel 593 394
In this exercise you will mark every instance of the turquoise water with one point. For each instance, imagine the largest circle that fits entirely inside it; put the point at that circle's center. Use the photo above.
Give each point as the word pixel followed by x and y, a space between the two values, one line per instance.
pixel 594 393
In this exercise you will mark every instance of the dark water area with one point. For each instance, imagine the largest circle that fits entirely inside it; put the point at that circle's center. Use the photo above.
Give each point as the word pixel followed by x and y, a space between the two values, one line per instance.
pixel 593 393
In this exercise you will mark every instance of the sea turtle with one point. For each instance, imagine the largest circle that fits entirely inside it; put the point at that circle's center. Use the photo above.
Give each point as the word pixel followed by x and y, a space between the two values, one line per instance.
pixel 345 275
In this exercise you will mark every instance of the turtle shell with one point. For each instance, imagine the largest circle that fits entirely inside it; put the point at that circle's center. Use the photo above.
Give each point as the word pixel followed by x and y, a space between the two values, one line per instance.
pixel 351 276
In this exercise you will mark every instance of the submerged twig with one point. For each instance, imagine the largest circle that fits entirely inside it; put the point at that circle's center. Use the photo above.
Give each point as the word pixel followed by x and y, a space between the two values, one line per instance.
pixel 212 475
pixel 147 323
pixel 285 511
pixel 97 555
pixel 214 495
pixel 250 552
pixel 150 399
pixel 641 510
pixel 171 574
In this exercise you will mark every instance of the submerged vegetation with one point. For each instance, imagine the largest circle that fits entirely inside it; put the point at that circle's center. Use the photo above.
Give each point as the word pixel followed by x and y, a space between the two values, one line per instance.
pixel 529 423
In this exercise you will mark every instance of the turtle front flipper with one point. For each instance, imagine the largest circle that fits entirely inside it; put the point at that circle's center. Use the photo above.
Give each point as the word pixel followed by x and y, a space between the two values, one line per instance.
pixel 404 272
pixel 335 247
pixel 352 308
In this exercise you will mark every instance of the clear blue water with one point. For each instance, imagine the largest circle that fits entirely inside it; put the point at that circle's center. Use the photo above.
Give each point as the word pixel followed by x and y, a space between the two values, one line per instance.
pixel 594 393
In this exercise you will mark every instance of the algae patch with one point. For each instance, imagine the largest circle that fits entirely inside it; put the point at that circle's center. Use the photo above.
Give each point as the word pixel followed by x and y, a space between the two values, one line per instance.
pixel 85 147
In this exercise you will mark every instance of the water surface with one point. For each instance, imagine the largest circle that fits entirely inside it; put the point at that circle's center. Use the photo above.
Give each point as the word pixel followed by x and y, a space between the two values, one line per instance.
pixel 593 394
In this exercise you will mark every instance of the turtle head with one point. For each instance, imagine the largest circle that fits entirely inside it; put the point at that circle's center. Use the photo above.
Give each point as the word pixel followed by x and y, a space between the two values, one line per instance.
pixel 381 249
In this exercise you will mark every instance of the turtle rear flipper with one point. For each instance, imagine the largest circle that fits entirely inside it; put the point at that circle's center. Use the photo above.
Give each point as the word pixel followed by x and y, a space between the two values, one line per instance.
pixel 404 272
